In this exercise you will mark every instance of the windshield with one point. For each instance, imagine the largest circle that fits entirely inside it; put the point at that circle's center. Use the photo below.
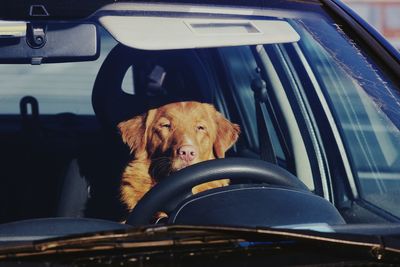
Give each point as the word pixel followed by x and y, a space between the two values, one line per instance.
pixel 348 94
pixel 365 106
pixel 92 139
pixel 59 88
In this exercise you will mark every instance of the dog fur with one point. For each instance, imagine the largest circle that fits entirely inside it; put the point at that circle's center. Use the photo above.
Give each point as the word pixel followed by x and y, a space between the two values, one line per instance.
pixel 160 139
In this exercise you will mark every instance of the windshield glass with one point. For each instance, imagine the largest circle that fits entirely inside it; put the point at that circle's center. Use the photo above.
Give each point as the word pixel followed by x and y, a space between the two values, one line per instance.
pixel 365 106
pixel 58 87
pixel 91 139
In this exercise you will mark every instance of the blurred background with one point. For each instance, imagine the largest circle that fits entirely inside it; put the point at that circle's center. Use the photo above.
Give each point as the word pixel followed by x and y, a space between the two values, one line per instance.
pixel 384 15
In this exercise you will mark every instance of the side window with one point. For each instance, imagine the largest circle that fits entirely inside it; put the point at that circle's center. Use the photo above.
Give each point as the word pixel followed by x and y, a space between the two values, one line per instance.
pixel 241 66
pixel 128 84
pixel 365 108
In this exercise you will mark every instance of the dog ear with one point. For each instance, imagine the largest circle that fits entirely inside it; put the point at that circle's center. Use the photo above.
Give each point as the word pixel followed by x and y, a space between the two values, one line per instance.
pixel 133 133
pixel 227 135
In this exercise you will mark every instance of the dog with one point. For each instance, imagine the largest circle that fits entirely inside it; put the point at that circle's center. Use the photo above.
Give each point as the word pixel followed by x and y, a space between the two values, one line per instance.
pixel 169 138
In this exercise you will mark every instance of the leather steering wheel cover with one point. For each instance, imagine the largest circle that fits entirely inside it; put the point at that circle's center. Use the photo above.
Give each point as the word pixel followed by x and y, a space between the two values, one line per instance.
pixel 232 168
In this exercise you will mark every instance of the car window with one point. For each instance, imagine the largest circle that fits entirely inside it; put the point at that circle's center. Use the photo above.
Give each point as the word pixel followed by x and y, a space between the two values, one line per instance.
pixel 360 104
pixel 334 123
pixel 365 107
pixel 242 69
pixel 58 87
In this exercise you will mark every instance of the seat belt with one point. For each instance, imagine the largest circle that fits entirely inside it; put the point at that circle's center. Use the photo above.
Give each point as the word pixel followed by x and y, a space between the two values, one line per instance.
pixel 267 152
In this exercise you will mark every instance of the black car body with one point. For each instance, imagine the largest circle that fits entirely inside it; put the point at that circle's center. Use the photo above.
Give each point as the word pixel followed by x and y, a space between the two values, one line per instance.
pixel 315 174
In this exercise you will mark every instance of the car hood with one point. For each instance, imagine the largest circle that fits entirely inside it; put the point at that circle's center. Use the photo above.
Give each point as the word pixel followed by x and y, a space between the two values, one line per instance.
pixel 155 243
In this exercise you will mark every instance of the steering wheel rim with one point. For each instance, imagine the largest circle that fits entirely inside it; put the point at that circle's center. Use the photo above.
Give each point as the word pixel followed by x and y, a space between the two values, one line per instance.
pixel 180 182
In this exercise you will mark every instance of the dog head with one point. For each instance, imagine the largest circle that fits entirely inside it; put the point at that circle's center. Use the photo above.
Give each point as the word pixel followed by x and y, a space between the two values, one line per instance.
pixel 178 135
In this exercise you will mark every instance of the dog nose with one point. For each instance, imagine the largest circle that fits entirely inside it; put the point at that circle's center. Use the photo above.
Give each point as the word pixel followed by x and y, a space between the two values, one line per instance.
pixel 187 153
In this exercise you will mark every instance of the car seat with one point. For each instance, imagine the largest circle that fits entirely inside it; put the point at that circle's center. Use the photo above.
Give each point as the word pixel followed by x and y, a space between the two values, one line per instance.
pixel 160 77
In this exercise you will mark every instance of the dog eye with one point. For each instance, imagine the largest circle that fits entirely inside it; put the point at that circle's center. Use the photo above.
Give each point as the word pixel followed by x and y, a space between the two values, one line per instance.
pixel 166 125
pixel 201 128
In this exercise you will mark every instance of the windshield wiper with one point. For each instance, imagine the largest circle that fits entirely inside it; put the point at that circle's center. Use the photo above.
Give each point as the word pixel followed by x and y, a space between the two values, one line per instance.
pixel 160 236
pixel 195 238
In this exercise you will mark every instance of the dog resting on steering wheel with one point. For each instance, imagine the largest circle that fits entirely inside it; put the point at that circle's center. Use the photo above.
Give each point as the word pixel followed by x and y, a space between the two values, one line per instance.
pixel 169 138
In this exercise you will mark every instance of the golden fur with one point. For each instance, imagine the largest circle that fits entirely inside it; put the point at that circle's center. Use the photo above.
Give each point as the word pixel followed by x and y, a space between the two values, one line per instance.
pixel 155 137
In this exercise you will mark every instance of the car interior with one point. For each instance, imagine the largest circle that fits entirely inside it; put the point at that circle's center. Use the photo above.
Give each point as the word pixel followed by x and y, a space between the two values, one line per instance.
pixel 68 164
pixel 63 154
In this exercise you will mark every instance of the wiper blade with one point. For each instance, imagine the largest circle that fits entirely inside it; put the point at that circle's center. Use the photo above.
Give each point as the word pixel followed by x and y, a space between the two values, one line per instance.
pixel 195 237
pixel 160 236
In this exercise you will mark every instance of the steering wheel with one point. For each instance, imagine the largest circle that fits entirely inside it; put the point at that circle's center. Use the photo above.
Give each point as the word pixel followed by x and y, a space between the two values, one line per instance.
pixel 177 185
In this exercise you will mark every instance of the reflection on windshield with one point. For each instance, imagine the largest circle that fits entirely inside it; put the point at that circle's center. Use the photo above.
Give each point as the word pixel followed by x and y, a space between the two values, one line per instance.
pixel 366 108
pixel 65 87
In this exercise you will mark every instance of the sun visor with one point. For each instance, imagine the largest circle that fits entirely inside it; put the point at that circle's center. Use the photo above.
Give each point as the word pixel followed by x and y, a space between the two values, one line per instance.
pixel 163 33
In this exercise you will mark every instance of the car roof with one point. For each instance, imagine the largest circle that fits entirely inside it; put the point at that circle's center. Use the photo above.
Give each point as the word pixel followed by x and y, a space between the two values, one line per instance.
pixel 80 9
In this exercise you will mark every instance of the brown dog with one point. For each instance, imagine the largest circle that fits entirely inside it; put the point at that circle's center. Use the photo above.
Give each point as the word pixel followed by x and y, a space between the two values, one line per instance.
pixel 170 138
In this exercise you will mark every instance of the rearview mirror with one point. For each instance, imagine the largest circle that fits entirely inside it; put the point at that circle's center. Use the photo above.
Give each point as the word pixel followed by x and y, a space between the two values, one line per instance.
pixel 49 42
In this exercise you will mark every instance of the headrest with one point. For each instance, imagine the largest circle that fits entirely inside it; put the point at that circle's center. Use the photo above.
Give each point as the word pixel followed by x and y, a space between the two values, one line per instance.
pixel 160 77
